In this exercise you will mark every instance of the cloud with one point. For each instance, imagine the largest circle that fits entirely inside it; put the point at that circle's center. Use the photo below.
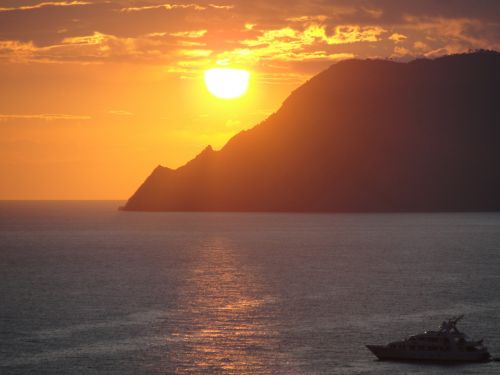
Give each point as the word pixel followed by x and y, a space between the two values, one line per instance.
pixel 163 6
pixel 247 57
pixel 189 34
pixel 420 45
pixel 190 43
pixel 456 34
pixel 44 116
pixel 302 19
pixel 352 34
pixel 15 50
pixel 215 6
pixel 262 35
pixel 290 38
pixel 374 12
pixel 46 4
pixel 172 6
pixel 93 48
pixel 400 52
pixel 396 37
pixel 315 55
pixel 287 44
pixel 94 39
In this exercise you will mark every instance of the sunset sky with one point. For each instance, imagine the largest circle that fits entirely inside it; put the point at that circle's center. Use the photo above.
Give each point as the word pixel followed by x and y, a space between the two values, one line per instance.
pixel 94 94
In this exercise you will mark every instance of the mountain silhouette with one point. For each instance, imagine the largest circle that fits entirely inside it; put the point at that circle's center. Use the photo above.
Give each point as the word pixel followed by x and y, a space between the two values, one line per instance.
pixel 362 136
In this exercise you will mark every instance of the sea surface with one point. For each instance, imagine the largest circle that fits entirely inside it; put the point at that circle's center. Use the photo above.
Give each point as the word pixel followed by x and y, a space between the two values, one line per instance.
pixel 88 289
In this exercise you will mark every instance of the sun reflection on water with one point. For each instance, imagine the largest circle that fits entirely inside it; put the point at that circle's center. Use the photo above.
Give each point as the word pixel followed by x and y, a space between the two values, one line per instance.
pixel 222 324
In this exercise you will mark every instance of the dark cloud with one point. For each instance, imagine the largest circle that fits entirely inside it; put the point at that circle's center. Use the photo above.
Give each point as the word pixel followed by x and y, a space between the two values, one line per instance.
pixel 256 32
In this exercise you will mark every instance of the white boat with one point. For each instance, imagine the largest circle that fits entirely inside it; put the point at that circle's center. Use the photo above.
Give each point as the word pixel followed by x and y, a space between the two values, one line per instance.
pixel 447 344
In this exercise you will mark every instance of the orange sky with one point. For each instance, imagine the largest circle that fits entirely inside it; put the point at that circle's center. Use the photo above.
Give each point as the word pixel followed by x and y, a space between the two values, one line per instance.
pixel 95 94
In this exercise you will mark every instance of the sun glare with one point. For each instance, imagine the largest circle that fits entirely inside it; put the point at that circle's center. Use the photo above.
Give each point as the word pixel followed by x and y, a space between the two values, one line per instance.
pixel 227 83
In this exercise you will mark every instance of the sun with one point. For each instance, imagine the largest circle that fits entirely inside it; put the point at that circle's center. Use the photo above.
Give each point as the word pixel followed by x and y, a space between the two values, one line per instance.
pixel 227 83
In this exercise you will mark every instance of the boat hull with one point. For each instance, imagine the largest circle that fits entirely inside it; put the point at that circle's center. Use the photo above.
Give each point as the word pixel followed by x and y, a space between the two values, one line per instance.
pixel 384 353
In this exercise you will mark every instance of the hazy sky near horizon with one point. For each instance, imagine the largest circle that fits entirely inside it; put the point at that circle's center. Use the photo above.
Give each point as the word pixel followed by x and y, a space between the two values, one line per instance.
pixel 94 94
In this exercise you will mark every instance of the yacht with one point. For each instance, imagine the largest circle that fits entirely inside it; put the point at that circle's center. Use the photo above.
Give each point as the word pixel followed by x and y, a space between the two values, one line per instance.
pixel 447 344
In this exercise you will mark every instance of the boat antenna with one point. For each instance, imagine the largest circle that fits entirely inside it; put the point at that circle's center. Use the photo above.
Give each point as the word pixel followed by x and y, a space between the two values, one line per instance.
pixel 452 323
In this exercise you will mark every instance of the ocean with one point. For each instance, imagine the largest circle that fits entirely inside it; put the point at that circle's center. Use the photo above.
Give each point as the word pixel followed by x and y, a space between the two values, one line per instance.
pixel 88 289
